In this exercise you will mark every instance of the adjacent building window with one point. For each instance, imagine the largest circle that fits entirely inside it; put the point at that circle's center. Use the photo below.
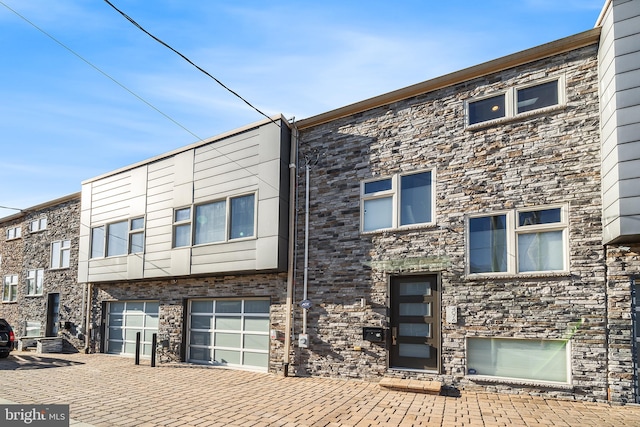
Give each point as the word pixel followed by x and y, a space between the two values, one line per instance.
pixel 38 224
pixel 218 221
pixel 515 101
pixel 10 288
pixel 182 227
pixel 401 200
pixel 522 359
pixel 60 254
pixel 35 280
pixel 14 233
pixel 520 241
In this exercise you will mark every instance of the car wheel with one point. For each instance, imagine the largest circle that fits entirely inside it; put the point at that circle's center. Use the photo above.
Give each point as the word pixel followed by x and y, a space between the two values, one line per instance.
pixel 3 355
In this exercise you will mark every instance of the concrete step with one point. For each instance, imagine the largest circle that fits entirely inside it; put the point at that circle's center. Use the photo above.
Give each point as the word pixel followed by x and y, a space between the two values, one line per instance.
pixel 415 386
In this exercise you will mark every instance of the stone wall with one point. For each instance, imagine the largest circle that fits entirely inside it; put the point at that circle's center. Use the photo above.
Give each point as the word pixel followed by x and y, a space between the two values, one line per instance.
pixel 623 269
pixel 548 158
pixel 172 295
pixel 11 252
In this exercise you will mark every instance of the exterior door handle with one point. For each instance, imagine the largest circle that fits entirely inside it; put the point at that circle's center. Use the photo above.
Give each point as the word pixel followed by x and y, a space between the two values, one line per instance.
pixel 394 333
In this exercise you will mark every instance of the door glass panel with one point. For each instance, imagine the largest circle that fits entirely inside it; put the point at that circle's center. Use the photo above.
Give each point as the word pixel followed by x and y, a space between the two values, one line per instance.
pixel 256 359
pixel 151 321
pixel 116 307
pixel 115 320
pixel 115 333
pixel 115 347
pixel 228 323
pixel 415 288
pixel 415 309
pixel 415 350
pixel 203 354
pixel 256 342
pixel 201 322
pixel 227 340
pixel 130 334
pixel 228 306
pixel 256 324
pixel 200 338
pixel 133 320
pixel 256 306
pixel 135 307
pixel 202 306
pixel 415 329
pixel 148 335
pixel 227 356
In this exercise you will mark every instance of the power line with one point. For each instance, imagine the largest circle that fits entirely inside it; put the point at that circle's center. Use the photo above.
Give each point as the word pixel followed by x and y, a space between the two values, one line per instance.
pixel 128 18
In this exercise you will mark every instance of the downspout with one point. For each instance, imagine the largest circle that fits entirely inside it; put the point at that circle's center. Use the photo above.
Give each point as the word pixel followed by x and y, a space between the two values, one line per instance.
pixel 293 158
pixel 87 325
pixel 306 245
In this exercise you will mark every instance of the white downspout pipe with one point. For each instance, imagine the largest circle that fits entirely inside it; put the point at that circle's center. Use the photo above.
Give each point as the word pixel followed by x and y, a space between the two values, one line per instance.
pixel 306 246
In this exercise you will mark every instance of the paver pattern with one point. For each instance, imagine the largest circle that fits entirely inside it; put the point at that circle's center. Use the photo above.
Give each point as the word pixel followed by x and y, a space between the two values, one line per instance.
pixel 112 391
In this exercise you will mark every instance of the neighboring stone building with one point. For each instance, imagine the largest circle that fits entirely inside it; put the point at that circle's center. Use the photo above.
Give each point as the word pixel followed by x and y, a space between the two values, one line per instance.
pixel 39 269
pixel 192 246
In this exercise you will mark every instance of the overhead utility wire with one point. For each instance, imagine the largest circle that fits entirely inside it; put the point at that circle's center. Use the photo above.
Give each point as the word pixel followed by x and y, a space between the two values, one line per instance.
pixel 128 18
pixel 100 71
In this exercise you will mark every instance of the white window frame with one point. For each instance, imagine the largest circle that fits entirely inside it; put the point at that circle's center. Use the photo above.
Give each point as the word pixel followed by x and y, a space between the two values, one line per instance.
pixel 97 243
pixel 35 282
pixel 184 223
pixel 64 247
pixel 515 359
pixel 10 282
pixel 14 233
pixel 39 224
pixel 513 231
pixel 395 194
pixel 124 237
pixel 511 98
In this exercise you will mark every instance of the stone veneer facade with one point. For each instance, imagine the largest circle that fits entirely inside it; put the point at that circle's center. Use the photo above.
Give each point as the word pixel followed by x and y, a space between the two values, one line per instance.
pixel 548 158
pixel 33 251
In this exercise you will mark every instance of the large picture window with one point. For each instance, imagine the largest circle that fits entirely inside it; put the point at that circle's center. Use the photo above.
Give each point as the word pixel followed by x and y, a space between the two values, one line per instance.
pixel 523 359
pixel 119 238
pixel 520 241
pixel 401 200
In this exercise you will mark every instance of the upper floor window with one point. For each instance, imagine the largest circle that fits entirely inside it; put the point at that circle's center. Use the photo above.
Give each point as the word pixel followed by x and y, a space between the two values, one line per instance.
pixel 232 218
pixel 400 200
pixel 38 224
pixel 60 254
pixel 515 101
pixel 521 241
pixel 182 227
pixel 118 238
pixel 10 288
pixel 35 281
pixel 14 233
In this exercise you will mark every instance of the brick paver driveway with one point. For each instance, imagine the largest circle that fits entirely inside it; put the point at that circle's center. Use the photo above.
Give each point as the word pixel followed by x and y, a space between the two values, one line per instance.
pixel 112 391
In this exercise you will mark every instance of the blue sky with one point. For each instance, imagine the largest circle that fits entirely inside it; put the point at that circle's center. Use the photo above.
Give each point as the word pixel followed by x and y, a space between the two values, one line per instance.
pixel 63 120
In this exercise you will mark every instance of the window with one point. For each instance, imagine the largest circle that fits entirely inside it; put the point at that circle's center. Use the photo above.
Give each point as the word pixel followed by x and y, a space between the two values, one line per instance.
pixel 537 236
pixel 524 359
pixel 14 233
pixel 60 254
pixel 401 200
pixel 35 279
pixel 182 227
pixel 97 242
pixel 136 236
pixel 515 101
pixel 117 238
pixel 219 221
pixel 38 224
pixel 10 288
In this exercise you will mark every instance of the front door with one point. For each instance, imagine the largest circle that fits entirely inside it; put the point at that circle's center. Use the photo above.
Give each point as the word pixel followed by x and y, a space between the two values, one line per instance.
pixel 53 315
pixel 415 323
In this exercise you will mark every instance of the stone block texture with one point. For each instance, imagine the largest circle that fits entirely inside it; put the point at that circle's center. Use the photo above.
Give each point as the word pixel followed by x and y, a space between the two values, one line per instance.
pixel 538 160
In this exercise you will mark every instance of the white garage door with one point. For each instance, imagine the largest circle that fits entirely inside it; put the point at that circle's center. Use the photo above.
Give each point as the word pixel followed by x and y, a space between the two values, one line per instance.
pixel 229 332
pixel 124 320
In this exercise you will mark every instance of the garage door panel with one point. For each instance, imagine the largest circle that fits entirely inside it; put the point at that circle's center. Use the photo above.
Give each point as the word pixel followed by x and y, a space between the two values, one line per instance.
pixel 125 319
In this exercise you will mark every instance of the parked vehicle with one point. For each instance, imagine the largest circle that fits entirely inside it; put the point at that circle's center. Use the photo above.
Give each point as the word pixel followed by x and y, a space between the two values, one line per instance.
pixel 7 339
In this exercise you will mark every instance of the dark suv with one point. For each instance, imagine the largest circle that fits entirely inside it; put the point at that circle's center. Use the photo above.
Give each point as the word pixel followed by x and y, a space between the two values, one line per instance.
pixel 6 338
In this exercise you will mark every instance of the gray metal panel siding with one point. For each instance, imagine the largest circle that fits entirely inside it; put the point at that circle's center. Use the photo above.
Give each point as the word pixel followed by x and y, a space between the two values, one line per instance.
pixel 620 124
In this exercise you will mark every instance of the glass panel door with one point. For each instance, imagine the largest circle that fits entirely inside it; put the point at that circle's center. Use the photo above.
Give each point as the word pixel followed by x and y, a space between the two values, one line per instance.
pixel 415 323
